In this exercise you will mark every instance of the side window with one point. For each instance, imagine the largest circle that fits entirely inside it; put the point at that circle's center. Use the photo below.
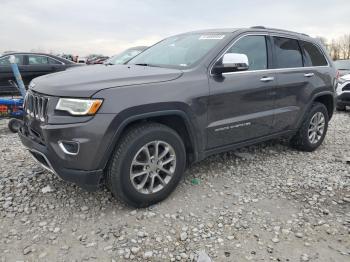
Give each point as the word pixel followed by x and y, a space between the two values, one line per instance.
pixel 37 60
pixel 288 53
pixel 313 55
pixel 53 61
pixel 255 48
pixel 5 60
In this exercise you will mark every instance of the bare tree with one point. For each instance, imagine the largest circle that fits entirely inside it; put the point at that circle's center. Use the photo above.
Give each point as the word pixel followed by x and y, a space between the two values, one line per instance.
pixel 344 43
pixel 335 49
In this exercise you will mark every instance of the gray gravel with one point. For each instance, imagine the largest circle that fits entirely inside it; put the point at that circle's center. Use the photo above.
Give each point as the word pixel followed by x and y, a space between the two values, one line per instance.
pixel 262 203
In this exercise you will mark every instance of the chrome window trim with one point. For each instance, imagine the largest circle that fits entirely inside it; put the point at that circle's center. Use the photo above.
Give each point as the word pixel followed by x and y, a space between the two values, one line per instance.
pixel 299 40
pixel 320 49
pixel 272 69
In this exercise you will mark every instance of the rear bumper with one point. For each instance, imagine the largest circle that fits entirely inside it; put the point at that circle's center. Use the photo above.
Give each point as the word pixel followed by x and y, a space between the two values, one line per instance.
pixel 344 99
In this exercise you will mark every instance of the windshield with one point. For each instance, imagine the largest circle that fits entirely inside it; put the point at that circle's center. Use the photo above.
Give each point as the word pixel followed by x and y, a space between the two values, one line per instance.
pixel 123 57
pixel 178 51
pixel 342 64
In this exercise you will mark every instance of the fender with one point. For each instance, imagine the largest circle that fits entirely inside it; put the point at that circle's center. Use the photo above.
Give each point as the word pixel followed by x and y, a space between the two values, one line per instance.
pixel 124 118
pixel 314 97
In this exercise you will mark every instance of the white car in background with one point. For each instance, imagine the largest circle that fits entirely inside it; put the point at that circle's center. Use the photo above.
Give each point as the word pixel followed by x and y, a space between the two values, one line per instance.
pixel 82 60
pixel 343 92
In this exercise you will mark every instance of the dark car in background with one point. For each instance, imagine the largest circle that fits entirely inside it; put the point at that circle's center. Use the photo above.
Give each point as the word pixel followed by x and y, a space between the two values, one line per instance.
pixel 31 65
pixel 125 56
pixel 97 60
pixel 343 66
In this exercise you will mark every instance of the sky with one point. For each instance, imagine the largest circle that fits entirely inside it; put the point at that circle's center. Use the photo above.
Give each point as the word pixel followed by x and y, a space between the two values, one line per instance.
pixel 107 27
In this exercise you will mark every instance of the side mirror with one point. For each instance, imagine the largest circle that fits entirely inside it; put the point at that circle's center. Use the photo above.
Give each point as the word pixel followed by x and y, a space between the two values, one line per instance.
pixel 231 63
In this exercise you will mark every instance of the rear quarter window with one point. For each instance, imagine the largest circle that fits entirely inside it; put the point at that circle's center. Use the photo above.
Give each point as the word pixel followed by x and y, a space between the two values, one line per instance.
pixel 288 53
pixel 313 55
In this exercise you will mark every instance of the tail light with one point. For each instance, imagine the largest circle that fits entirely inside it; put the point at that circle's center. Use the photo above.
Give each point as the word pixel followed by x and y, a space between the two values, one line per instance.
pixel 3 109
pixel 338 75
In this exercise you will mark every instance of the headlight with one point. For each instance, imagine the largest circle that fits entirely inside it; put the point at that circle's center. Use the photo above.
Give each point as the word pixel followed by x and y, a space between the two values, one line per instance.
pixel 79 107
pixel 31 85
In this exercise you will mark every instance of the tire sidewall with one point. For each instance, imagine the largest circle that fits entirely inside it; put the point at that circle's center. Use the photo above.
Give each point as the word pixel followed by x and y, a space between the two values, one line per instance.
pixel 14 125
pixel 124 182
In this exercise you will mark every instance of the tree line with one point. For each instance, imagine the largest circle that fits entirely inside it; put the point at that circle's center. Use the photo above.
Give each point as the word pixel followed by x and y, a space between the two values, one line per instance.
pixel 338 48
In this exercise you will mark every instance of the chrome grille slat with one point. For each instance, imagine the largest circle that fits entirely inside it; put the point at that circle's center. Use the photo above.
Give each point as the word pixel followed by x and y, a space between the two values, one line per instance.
pixel 36 106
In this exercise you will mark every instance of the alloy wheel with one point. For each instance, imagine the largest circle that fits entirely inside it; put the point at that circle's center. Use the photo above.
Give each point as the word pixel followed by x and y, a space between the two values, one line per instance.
pixel 153 167
pixel 316 127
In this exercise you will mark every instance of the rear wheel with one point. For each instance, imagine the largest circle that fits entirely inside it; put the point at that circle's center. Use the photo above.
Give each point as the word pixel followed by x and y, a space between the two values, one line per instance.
pixel 147 164
pixel 313 129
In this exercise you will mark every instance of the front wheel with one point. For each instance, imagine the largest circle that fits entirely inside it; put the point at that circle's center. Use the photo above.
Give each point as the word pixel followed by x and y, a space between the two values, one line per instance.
pixel 313 129
pixel 14 125
pixel 147 164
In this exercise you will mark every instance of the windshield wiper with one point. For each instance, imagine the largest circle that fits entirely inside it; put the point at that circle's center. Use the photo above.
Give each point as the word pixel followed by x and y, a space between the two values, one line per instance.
pixel 145 64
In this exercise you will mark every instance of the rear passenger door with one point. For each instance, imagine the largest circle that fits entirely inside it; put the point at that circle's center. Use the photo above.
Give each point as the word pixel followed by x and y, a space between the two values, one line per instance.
pixel 293 83
pixel 302 70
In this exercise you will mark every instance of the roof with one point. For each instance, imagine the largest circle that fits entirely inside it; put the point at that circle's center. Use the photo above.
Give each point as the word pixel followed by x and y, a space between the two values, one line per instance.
pixel 258 28
pixel 26 53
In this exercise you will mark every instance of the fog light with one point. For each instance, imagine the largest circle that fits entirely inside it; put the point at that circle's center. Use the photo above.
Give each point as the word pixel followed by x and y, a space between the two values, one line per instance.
pixel 69 147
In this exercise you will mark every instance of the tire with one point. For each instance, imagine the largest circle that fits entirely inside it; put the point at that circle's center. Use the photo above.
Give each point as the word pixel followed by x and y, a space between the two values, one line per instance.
pixel 14 125
pixel 301 140
pixel 135 143
pixel 341 108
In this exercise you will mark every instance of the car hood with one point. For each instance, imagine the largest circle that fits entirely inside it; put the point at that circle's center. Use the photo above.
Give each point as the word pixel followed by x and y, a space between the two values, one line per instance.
pixel 346 77
pixel 87 80
pixel 343 72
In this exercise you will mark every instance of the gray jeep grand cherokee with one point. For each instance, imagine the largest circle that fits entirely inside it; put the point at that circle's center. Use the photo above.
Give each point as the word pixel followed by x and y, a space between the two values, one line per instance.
pixel 135 127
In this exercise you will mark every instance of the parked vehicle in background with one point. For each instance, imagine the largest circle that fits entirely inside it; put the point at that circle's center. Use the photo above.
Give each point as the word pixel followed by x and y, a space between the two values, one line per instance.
pixel 125 56
pixel 343 92
pixel 81 60
pixel 137 126
pixel 31 65
pixel 97 60
pixel 343 67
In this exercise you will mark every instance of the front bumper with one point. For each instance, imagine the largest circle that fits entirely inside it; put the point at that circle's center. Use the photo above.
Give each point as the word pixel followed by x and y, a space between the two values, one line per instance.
pixel 343 94
pixel 83 168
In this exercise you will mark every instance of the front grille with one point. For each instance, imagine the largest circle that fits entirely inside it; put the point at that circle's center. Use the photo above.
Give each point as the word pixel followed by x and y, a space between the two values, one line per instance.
pixel 346 88
pixel 36 106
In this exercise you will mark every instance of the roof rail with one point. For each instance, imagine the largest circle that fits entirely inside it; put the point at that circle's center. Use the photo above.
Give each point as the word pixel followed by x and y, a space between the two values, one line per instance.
pixel 277 29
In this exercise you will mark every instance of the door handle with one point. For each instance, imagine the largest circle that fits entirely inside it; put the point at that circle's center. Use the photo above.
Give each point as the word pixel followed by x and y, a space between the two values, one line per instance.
pixel 309 74
pixel 267 79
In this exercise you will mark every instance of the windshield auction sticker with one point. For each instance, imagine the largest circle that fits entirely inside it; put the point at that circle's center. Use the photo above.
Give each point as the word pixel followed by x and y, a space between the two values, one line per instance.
pixel 211 37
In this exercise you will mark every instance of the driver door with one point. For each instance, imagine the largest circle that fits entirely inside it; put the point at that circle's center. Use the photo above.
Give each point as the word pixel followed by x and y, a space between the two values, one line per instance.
pixel 241 103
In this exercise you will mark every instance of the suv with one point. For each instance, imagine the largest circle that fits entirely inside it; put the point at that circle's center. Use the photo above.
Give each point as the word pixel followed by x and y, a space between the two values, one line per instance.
pixel 343 92
pixel 135 127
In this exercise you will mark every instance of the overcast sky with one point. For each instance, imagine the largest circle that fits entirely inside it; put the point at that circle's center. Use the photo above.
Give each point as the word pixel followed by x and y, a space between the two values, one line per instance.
pixel 109 26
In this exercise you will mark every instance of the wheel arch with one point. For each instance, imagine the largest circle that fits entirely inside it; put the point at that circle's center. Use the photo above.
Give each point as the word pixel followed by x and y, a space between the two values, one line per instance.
pixel 178 119
pixel 328 100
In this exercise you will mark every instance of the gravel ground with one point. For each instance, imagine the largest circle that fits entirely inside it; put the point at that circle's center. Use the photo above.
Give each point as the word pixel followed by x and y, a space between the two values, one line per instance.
pixel 262 203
